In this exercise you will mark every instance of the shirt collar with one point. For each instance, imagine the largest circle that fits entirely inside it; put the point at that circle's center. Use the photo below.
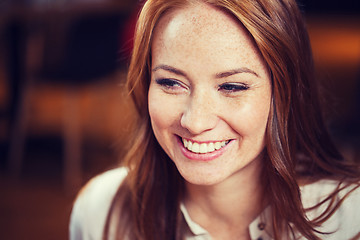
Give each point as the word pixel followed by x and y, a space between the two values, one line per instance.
pixel 260 228
pixel 195 228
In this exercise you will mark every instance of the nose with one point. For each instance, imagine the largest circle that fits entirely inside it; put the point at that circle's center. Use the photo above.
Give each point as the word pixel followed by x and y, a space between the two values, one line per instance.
pixel 199 114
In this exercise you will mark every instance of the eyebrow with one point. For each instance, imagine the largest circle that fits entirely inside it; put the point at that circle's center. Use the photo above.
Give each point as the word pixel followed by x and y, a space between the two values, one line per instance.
pixel 235 71
pixel 170 69
pixel 217 75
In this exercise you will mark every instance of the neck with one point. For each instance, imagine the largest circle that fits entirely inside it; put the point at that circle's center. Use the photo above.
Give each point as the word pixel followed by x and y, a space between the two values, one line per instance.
pixel 229 205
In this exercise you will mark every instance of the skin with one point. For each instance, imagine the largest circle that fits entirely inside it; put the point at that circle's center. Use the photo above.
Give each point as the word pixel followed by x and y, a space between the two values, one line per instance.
pixel 209 83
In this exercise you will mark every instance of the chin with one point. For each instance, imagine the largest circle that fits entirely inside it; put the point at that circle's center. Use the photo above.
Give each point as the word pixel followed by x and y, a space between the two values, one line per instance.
pixel 201 176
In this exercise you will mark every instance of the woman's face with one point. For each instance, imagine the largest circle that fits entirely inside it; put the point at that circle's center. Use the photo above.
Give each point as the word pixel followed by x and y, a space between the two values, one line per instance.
pixel 209 96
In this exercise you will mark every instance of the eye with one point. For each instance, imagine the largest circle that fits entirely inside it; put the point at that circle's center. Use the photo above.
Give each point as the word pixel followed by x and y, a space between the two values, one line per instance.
pixel 167 82
pixel 233 87
pixel 170 85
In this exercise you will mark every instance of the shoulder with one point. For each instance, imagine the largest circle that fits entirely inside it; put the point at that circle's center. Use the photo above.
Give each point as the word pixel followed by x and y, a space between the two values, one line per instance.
pixel 315 192
pixel 92 204
pixel 345 220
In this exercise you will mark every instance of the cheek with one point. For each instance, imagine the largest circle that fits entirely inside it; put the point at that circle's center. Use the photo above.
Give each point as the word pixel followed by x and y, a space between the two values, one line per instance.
pixel 162 112
pixel 250 120
pixel 158 121
pixel 164 119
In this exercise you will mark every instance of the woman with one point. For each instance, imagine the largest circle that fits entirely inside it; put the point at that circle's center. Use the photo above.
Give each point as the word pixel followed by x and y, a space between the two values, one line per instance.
pixel 230 142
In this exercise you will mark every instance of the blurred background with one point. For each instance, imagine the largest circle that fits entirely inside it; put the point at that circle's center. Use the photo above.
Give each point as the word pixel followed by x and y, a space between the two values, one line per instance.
pixel 64 115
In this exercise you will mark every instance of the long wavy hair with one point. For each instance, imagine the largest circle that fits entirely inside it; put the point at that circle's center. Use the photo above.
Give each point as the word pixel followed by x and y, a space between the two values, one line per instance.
pixel 298 145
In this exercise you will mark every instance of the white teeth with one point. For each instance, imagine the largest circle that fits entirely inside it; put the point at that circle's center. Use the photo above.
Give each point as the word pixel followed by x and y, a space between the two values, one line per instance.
pixel 195 148
pixel 203 147
pixel 211 147
pixel 185 142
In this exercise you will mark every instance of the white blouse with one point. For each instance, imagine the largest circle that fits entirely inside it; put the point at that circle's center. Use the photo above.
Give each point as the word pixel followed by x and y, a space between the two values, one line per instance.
pixel 93 202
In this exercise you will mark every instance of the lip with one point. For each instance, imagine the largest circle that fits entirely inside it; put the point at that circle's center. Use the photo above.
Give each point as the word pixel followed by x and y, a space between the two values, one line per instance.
pixel 203 157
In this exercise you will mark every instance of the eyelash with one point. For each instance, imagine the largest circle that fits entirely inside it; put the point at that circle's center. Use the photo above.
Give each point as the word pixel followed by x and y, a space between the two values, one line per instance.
pixel 233 87
pixel 171 84
pixel 168 83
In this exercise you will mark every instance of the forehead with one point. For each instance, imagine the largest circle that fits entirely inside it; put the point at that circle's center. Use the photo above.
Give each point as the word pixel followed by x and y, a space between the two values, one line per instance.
pixel 202 31
pixel 198 21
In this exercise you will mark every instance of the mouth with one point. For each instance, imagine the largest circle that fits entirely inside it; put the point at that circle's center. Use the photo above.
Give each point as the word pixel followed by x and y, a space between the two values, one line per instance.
pixel 203 147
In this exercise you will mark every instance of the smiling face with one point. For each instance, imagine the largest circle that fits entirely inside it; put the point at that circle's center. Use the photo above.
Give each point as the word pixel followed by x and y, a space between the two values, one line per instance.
pixel 209 95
